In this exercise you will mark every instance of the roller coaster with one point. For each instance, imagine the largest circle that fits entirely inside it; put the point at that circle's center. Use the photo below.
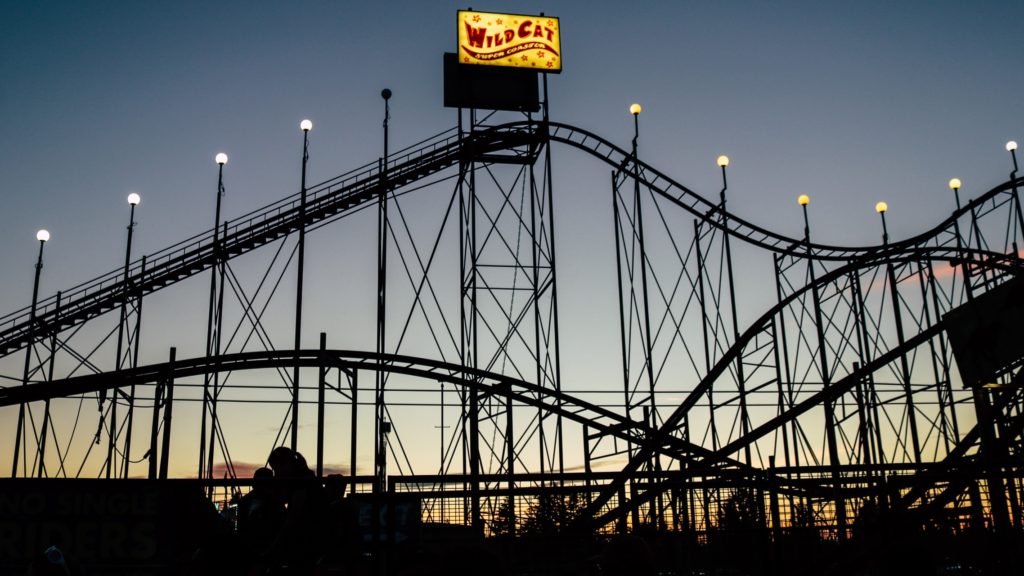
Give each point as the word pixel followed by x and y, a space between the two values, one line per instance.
pixel 826 381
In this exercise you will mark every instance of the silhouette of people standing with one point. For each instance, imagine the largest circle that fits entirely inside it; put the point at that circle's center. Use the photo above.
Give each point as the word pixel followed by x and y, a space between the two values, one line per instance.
pixel 261 513
pixel 299 541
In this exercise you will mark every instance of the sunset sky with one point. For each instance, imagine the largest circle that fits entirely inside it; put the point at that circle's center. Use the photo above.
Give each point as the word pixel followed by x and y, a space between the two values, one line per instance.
pixel 848 102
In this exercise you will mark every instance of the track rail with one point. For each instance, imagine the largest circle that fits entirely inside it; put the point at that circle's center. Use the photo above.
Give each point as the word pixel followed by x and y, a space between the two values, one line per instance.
pixel 487 383
pixel 843 385
pixel 349 191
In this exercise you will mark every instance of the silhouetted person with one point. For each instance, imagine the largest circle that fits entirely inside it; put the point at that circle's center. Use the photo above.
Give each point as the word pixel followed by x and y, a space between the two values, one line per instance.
pixel 203 539
pixel 300 541
pixel 261 513
pixel 341 528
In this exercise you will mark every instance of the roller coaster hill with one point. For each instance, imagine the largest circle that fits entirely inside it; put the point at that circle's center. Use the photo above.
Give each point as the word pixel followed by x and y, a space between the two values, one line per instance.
pixel 881 386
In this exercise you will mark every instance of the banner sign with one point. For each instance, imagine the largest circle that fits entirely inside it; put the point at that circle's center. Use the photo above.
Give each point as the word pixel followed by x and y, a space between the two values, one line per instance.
pixel 103 527
pixel 511 40
pixel 398 517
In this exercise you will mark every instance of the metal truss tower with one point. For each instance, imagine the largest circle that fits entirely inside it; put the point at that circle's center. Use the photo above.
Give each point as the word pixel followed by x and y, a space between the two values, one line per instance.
pixel 509 311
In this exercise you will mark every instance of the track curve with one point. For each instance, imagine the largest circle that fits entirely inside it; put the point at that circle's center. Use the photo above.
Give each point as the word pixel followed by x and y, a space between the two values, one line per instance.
pixel 351 190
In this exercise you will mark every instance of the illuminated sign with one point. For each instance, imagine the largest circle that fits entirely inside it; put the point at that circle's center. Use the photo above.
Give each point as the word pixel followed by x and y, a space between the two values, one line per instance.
pixel 512 40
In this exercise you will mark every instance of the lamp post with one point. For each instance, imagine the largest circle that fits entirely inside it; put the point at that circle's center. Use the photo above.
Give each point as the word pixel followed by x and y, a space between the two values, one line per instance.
pixel 723 163
pixel 380 435
pixel 882 208
pixel 43 237
pixel 212 321
pixel 133 200
pixel 306 125
pixel 635 109
pixel 1011 147
pixel 648 340
pixel 386 95
pixel 804 200
pixel 954 185
pixel 823 361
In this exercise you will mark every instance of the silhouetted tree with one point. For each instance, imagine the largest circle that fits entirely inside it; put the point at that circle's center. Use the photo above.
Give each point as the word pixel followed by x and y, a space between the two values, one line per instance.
pixel 801 522
pixel 740 512
pixel 551 513
pixel 740 527
pixel 504 516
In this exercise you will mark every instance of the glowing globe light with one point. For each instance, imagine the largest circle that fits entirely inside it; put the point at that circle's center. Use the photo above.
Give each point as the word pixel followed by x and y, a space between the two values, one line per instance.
pixel 881 207
pixel 954 184
pixel 306 125
pixel 635 109
pixel 134 199
pixel 221 158
pixel 723 160
pixel 1011 146
pixel 43 236
pixel 804 200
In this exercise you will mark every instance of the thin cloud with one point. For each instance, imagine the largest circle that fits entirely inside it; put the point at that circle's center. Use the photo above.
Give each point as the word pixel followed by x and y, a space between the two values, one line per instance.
pixel 245 470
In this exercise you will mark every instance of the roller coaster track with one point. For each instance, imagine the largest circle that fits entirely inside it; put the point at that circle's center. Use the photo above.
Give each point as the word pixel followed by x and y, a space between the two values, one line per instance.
pixel 670 428
pixel 487 383
pixel 519 141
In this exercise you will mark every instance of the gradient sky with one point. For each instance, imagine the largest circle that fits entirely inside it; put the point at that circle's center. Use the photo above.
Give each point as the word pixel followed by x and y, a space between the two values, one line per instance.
pixel 849 102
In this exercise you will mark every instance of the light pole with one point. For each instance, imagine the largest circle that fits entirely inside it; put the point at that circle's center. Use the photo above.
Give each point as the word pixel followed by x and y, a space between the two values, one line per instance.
pixel 635 109
pixel 954 185
pixel 830 417
pixel 212 324
pixel 1011 147
pixel 804 200
pixel 133 200
pixel 648 340
pixel 380 435
pixel 723 163
pixel 386 95
pixel 43 237
pixel 306 125
pixel 882 208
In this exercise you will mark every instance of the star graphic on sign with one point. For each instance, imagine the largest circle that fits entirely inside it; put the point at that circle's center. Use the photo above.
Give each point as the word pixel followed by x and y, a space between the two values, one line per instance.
pixel 498 20
pixel 540 53
pixel 524 57
pixel 551 64
pixel 551 23
pixel 465 59
pixel 476 18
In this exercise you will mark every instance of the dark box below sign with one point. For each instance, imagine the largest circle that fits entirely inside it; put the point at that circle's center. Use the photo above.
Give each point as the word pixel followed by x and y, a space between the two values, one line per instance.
pixel 489 87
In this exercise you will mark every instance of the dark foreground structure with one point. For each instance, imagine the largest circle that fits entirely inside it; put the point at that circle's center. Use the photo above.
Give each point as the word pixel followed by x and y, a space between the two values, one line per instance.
pixel 169 528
